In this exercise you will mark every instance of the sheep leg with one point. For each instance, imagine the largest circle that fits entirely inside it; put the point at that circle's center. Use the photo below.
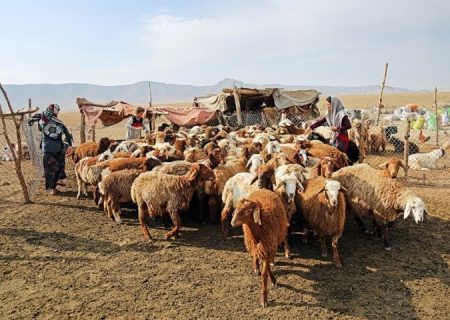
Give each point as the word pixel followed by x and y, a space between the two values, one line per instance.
pixel 201 205
pixel 96 195
pixel 264 278
pixel 305 233
pixel 361 224
pixel 323 247
pixel 336 256
pixel 256 266
pixel 177 225
pixel 142 214
pixel 287 248
pixel 213 209
pixel 273 280
pixel 116 211
pixel 386 243
pixel 224 220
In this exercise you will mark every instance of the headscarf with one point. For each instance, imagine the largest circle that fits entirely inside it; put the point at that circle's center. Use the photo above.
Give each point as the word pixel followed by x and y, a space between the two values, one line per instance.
pixel 335 116
pixel 48 122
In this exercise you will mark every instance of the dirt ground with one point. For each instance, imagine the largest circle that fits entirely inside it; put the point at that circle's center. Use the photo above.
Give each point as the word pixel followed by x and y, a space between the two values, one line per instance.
pixel 61 258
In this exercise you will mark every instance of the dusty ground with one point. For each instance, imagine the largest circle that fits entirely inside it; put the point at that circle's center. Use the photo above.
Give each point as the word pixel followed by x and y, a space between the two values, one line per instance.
pixel 62 258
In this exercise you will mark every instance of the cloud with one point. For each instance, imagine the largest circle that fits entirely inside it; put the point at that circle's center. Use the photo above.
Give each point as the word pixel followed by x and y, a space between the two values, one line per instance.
pixel 319 42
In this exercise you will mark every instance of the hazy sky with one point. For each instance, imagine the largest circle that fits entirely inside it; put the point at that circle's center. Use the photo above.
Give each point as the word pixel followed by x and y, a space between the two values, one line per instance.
pixel 308 42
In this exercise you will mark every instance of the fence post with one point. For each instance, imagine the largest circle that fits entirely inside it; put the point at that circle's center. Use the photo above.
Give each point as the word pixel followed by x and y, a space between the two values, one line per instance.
pixel 93 132
pixel 381 92
pixel 238 106
pixel 82 126
pixel 437 118
pixel 406 150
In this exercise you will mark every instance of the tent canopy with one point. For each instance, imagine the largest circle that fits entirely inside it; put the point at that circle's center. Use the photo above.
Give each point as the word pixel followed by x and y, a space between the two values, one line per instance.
pixel 114 112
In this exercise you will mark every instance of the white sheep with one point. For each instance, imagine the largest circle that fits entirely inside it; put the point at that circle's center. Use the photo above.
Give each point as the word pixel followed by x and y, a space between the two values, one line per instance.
pixel 323 207
pixel 386 198
pixel 255 161
pixel 425 161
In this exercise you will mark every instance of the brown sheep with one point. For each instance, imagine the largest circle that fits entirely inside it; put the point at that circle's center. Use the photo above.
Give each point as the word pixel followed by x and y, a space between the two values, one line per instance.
pixel 263 220
pixel 391 167
pixel 194 154
pixel 158 194
pixel 376 139
pixel 321 150
pixel 325 167
pixel 323 207
pixel 90 149
pixel 131 163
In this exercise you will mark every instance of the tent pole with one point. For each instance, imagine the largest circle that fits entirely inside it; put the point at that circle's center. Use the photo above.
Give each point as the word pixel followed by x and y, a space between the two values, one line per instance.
pixel 380 105
pixel 238 105
pixel 82 126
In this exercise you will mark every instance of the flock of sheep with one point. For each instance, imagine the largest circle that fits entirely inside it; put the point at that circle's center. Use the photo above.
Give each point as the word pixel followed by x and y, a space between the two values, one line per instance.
pixel 258 178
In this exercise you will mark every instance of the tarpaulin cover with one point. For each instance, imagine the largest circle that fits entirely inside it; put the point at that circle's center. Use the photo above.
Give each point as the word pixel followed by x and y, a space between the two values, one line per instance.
pixel 188 116
pixel 114 112
pixel 214 102
pixel 288 98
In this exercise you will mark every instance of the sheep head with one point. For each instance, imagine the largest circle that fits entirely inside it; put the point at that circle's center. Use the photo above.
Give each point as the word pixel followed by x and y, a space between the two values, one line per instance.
pixel 151 162
pixel 200 172
pixel 265 175
pixel 392 166
pixel 290 183
pixel 103 145
pixel 255 161
pixel 416 207
pixel 326 166
pixel 332 188
pixel 246 212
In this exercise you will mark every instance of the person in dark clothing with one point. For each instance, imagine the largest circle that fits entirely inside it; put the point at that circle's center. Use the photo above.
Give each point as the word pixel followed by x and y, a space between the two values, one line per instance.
pixel 338 122
pixel 52 145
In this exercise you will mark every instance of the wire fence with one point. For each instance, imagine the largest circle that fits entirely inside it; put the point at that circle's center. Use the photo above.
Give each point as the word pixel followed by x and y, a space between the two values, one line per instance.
pixel 423 140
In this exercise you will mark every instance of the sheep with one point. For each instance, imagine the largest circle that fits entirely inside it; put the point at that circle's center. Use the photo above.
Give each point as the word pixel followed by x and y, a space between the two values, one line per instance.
pixel 194 154
pixel 292 129
pixel 359 135
pixel 126 146
pixel 376 138
pixel 255 161
pixel 325 167
pixel 115 189
pixel 391 167
pixel 384 197
pixel 158 194
pixel 263 220
pixel 130 163
pixel 323 150
pixel 324 208
pixel 426 161
pixel 88 171
pixel 399 146
pixel 242 185
pixel 90 149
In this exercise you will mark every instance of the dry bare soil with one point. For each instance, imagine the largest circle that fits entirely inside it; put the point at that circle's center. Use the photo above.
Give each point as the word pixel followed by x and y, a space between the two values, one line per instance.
pixel 61 258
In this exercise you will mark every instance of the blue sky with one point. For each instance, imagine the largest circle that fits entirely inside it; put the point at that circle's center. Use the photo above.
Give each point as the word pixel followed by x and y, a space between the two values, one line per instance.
pixel 322 42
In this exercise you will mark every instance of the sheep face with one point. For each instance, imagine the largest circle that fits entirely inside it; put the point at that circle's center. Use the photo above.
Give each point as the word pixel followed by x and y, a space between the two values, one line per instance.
pixel 273 147
pixel 326 167
pixel 246 212
pixel 303 156
pixel 291 183
pixel 416 207
pixel 103 144
pixel 392 167
pixel 265 176
pixel 255 162
pixel 332 188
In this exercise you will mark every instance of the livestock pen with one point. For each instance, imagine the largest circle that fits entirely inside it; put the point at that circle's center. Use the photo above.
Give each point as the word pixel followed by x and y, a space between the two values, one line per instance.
pixel 61 258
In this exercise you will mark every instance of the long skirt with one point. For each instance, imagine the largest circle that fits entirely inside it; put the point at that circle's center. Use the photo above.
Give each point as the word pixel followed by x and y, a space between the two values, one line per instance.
pixel 54 164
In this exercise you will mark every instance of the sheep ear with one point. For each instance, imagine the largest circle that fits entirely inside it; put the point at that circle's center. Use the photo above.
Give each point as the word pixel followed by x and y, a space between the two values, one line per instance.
pixel 254 180
pixel 272 180
pixel 194 172
pixel 257 214
pixel 249 162
pixel 279 185
pixel 344 189
pixel 407 211
pixel 383 165
pixel 300 186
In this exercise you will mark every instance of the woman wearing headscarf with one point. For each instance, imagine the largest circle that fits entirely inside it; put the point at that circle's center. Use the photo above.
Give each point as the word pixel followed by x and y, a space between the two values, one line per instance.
pixel 338 122
pixel 52 145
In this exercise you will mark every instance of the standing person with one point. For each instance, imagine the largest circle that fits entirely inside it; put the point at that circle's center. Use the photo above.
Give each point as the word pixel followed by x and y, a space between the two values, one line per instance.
pixel 338 121
pixel 137 123
pixel 52 145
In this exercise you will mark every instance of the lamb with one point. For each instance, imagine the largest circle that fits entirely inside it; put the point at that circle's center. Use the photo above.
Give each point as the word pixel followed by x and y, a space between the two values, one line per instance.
pixel 325 167
pixel 115 189
pixel 90 149
pixel 158 194
pixel 324 208
pixel 426 161
pixel 242 185
pixel 263 220
pixel 383 196
pixel 255 161
pixel 391 167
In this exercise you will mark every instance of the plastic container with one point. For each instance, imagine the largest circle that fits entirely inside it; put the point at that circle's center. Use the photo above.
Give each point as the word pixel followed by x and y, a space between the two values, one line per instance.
pixel 432 123
pixel 418 124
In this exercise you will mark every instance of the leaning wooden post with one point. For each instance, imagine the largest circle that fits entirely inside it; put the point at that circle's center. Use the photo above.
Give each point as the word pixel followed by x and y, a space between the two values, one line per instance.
pixel 406 150
pixel 437 117
pixel 380 104
pixel 82 125
pixel 237 101
pixel 17 154
pixel 93 132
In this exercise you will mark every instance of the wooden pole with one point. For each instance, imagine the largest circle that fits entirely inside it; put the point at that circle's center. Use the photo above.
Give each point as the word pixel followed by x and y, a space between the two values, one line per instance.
pixel 380 104
pixel 437 117
pixel 237 101
pixel 82 127
pixel 16 153
pixel 406 150
pixel 29 104
pixel 93 132
pixel 150 92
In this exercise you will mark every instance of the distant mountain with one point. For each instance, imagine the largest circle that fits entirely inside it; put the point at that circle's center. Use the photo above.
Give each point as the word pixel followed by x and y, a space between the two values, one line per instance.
pixel 66 94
